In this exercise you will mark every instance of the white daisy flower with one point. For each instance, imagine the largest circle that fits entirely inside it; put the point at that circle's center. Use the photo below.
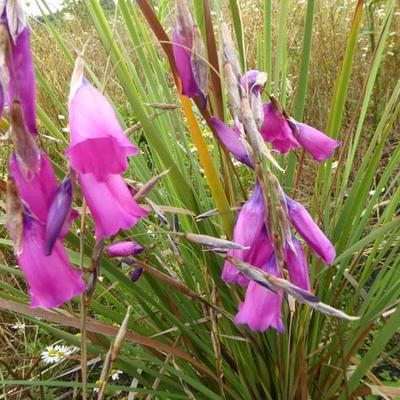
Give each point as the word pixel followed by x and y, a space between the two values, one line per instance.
pixel 50 355
pixel 115 373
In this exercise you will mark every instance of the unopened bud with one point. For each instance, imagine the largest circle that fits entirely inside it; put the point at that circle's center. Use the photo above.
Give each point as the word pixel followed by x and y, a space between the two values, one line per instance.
pixel 199 63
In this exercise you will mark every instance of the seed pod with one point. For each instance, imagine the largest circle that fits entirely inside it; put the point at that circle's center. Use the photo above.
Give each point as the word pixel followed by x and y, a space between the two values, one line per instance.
pixel 14 216
pixel 148 186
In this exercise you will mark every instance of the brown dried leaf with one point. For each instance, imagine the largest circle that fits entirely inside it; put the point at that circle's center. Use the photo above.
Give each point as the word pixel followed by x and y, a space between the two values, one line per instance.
pixel 14 216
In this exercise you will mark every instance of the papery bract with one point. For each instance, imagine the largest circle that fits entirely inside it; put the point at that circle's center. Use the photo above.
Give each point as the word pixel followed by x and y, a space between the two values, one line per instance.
pixel 309 230
pixel 124 249
pixel 52 280
pixel 276 130
pixel 98 143
pixel 110 203
pixel 319 145
pixel 261 308
pixel 231 138
pixel 297 265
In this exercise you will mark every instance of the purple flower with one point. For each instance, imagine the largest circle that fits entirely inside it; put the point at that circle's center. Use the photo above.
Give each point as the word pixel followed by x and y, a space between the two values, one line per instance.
pixel 110 203
pixel 98 143
pixel 319 145
pixel 189 54
pixel 38 192
pixel 261 308
pixel 124 249
pixel 52 280
pixel 247 232
pixel 276 129
pixel 58 215
pixel 233 141
pixel 297 265
pixel 309 230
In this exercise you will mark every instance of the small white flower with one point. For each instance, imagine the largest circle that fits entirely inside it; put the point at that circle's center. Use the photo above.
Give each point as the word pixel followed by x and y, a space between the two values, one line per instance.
pixel 61 117
pixel 50 355
pixel 65 130
pixel 115 373
pixel 18 326
pixel 334 165
pixel 55 354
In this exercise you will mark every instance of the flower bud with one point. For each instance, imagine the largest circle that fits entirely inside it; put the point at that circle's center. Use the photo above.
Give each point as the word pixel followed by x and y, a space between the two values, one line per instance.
pixel 60 210
pixel 124 249
pixel 136 274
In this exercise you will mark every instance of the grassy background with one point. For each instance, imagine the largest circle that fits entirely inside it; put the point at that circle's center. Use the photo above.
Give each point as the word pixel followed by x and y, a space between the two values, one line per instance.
pixel 364 205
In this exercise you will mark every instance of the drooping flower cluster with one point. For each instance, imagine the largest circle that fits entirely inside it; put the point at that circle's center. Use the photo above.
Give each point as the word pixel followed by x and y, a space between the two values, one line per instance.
pixel 38 209
pixel 32 185
pixel 261 308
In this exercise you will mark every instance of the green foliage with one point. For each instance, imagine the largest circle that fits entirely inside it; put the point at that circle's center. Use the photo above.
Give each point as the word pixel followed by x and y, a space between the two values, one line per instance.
pixel 196 350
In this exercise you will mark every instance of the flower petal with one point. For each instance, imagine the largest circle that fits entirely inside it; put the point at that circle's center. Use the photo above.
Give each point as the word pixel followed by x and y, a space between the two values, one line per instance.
pixel 319 145
pixel 297 265
pixel 98 143
pixel 110 203
pixel 233 141
pixel 261 308
pixel 22 79
pixel 247 230
pixel 309 230
pixel 276 130
pixel 52 280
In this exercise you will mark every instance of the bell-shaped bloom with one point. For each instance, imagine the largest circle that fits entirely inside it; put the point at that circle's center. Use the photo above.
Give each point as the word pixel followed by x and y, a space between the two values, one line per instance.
pixel 297 265
pixel 262 308
pixel 276 129
pixel 233 141
pixel 248 228
pixel 58 214
pixel 319 145
pixel 189 54
pixel 309 230
pixel 124 249
pixel 22 78
pixel 98 143
pixel 52 280
pixel 111 204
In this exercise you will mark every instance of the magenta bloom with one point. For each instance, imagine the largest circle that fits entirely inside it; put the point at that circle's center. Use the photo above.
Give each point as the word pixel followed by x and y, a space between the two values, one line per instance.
pixel 124 249
pixel 233 141
pixel 261 308
pixel 52 280
pixel 309 230
pixel 98 143
pixel 247 232
pixel 319 145
pixel 110 203
pixel 22 78
pixel 276 130
pixel 297 265
pixel 37 193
